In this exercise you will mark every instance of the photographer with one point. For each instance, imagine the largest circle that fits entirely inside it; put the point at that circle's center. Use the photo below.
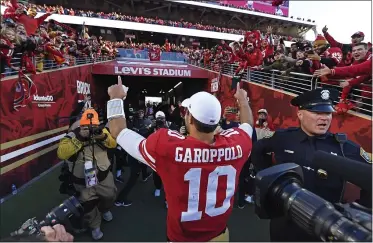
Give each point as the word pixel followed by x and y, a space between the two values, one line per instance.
pixel 84 149
pixel 298 145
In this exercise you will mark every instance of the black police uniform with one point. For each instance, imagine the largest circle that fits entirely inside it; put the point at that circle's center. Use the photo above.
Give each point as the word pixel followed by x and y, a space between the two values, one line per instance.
pixel 294 145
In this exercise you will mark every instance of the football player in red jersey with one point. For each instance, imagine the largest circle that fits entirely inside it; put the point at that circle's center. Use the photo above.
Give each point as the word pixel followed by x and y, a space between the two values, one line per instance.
pixel 200 172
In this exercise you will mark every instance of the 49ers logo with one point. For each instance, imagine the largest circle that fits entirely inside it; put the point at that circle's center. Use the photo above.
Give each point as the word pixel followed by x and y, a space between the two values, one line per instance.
pixel 337 55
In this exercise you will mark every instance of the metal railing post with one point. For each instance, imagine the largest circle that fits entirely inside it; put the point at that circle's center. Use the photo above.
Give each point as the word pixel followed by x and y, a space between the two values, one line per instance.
pixel 273 79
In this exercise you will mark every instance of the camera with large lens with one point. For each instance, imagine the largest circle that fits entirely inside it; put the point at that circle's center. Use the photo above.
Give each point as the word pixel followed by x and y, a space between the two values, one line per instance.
pixel 279 193
pixel 160 123
pixel 58 215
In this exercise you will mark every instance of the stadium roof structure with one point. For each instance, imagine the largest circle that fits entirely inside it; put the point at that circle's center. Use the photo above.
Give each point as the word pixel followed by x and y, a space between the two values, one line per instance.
pixel 243 11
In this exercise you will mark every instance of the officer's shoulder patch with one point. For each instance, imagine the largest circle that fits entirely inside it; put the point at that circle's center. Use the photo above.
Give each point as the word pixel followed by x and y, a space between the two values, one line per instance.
pixel 366 156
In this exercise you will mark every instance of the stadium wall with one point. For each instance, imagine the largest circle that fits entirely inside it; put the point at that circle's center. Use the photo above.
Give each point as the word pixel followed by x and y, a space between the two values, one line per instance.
pixel 30 135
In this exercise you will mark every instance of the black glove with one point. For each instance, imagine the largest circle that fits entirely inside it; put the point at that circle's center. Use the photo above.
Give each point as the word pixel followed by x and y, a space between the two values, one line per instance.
pixel 99 135
pixel 76 131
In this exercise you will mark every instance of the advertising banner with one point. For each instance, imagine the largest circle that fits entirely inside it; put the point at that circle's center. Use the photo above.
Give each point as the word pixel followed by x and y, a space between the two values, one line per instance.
pixel 155 69
pixel 34 117
pixel 264 6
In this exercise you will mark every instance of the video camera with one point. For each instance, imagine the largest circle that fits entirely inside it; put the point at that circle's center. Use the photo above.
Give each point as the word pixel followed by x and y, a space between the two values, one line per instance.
pixel 94 131
pixel 58 215
pixel 279 193
pixel 160 122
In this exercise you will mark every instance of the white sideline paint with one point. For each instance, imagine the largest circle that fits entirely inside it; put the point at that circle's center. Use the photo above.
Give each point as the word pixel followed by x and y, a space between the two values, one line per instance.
pixel 29 148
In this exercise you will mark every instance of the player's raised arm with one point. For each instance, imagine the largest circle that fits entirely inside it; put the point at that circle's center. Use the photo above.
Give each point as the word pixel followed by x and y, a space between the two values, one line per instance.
pixel 246 114
pixel 132 142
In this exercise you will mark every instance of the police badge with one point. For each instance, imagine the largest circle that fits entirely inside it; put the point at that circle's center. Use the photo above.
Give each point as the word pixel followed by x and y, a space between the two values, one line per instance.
pixel 365 155
pixel 325 94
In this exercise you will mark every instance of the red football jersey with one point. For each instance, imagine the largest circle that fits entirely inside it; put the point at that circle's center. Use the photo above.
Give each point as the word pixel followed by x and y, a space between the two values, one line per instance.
pixel 199 179
pixel 335 53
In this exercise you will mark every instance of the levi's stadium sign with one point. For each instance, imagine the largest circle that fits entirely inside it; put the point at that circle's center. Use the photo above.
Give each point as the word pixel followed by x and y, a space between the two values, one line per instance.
pixel 153 69
pixel 149 71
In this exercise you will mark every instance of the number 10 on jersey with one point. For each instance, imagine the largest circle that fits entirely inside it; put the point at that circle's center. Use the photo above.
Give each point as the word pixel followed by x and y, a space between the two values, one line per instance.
pixel 193 176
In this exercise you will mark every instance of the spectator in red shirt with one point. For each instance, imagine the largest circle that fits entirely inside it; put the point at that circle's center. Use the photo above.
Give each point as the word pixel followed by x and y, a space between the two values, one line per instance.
pixel 346 48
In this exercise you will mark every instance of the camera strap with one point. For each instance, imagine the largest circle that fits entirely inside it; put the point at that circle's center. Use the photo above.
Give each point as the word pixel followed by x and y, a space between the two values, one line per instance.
pixel 341 139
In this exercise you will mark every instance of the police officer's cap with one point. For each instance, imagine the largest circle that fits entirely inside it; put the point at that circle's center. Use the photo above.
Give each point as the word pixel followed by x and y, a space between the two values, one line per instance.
pixel 318 100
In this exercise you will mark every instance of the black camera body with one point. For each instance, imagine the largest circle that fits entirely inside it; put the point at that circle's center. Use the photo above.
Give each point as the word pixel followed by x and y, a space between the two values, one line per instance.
pixel 58 215
pixel 279 193
pixel 160 123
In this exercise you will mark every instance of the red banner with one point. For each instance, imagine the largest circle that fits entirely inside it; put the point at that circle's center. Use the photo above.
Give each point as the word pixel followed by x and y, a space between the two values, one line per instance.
pixel 138 68
pixel 264 6
pixel 30 134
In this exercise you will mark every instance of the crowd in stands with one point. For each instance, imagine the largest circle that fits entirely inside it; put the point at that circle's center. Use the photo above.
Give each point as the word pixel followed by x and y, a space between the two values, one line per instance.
pixel 62 44
pixel 260 52
pixel 28 44
pixel 118 16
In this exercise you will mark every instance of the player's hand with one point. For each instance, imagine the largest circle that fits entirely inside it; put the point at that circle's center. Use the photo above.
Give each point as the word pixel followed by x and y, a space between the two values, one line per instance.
pixel 116 91
pixel 322 72
pixel 240 95
pixel 56 234
pixel 325 29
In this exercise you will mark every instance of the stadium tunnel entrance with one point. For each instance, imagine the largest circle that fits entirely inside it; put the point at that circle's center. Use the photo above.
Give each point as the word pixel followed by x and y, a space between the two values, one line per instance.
pixel 170 89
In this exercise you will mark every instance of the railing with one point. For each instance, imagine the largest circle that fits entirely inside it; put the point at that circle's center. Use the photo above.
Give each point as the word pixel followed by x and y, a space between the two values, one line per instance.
pixel 297 83
pixel 46 64
pixel 144 54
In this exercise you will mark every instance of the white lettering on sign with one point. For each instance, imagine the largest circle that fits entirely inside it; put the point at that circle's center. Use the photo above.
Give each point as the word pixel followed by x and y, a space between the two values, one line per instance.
pixel 47 98
pixel 153 71
pixel 83 87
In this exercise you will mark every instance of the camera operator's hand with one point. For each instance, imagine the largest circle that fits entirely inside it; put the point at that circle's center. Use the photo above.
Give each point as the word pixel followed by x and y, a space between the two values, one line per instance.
pixel 77 134
pixel 99 135
pixel 56 234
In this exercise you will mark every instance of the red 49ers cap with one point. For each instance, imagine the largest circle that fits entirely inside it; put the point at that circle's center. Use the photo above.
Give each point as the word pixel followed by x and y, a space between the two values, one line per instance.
pixel 358 34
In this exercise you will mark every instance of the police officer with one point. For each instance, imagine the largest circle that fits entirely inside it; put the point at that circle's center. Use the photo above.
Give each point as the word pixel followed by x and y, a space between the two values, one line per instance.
pixel 298 145
pixel 84 149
